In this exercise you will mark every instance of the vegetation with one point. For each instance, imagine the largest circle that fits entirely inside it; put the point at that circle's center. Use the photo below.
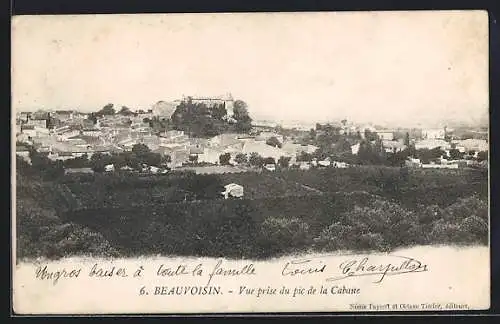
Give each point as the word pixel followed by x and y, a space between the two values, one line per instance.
pixel 363 208
pixel 198 120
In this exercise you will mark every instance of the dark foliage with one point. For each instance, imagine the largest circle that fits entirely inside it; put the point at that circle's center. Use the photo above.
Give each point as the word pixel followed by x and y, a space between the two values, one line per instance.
pixel 366 208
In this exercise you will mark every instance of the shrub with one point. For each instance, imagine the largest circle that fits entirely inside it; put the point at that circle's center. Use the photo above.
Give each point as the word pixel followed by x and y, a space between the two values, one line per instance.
pixel 466 207
pixel 285 234
pixel 335 237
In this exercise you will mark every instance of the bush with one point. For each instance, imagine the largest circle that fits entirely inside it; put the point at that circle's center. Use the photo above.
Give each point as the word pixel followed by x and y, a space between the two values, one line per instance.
pixel 41 233
pixel 284 235
pixel 466 207
pixel 335 237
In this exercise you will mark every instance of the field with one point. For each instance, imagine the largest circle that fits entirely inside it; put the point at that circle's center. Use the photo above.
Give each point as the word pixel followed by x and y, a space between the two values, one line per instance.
pixel 292 211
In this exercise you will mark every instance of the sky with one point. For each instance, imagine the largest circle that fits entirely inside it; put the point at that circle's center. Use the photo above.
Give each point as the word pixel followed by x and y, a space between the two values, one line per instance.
pixel 391 68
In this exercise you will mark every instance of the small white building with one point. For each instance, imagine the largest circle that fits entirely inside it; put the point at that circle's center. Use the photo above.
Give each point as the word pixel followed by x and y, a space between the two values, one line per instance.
pixel 270 167
pixel 233 190
pixel 438 133
pixel 304 166
pixel 355 148
pixel 340 165
pixel 109 168
pixel 386 135
pixel 325 163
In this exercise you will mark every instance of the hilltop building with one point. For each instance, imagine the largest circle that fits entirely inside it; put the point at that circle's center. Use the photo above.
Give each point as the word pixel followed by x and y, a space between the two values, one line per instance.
pixel 226 100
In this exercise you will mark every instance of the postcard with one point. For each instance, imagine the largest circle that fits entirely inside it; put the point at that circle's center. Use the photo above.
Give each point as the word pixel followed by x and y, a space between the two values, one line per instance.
pixel 250 163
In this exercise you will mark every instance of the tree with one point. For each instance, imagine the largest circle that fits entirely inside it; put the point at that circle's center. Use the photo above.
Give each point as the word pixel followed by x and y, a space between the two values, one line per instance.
pixel 407 139
pixel 240 114
pixel 193 158
pixel 165 159
pixel 218 111
pixel 269 160
pixel 455 154
pixel 255 159
pixel 304 157
pixel 106 110
pixel 144 155
pixel 312 133
pixel 241 158
pixel 343 146
pixel 51 121
pixel 371 154
pixel 92 117
pixel 370 136
pixel 224 159
pixel 98 161
pixel 273 141
pixel 140 149
pixel 482 156
pixel 284 161
pixel 78 162
pixel 125 111
pixel 428 155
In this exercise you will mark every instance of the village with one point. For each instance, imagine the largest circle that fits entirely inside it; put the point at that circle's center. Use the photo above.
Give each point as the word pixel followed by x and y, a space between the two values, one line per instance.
pixel 66 135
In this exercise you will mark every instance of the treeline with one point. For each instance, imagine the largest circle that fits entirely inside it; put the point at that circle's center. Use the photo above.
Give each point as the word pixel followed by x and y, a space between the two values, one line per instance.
pixel 135 159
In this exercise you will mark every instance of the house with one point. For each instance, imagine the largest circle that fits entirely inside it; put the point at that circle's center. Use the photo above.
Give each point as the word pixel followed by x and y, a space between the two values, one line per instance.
pixel 469 145
pixel 29 130
pixel 39 123
pixel 413 163
pixel 263 150
pixel 393 146
pixel 107 149
pixel 355 148
pixel 226 100
pixel 164 109
pixel 340 165
pixel 233 190
pixel 325 163
pixel 24 115
pixel 23 152
pixel 173 136
pixel 78 171
pixel 432 143
pixel 65 134
pixel 210 155
pixel 387 135
pixel 91 132
pixel 225 140
pixel 61 156
pixel 109 168
pixel 64 114
pixel 438 133
pixel 310 149
pixel 304 166
pixel 179 156
pixel 193 150
pixel 270 167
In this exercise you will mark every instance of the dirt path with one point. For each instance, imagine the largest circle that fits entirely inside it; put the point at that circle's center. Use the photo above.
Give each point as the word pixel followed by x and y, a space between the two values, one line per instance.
pixel 299 184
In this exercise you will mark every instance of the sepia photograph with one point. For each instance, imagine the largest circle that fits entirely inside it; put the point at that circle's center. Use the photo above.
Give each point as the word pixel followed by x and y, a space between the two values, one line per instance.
pixel 246 145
